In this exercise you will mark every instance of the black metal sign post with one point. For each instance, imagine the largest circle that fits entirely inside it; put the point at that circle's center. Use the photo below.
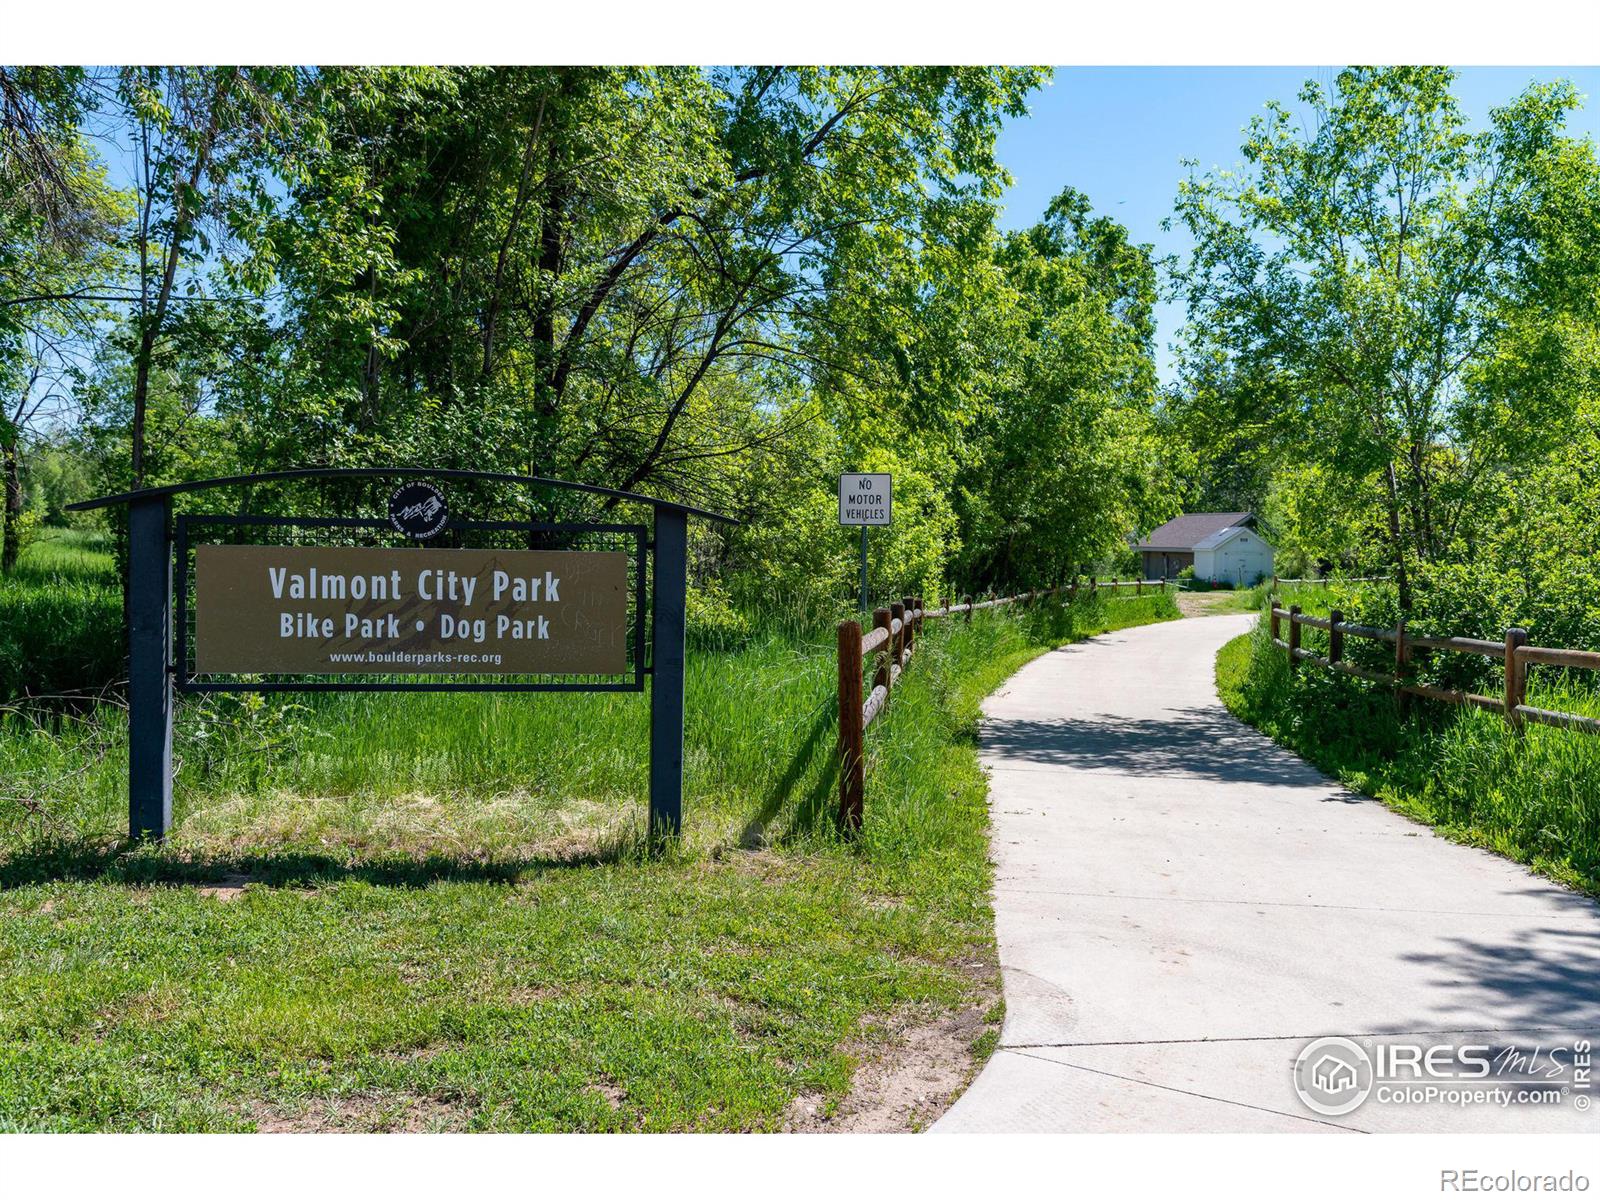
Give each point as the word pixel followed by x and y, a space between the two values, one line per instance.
pixel 668 601
pixel 154 669
pixel 149 667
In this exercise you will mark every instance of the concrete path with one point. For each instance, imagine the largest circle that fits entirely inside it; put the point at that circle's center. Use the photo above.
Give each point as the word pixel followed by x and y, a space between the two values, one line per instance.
pixel 1181 906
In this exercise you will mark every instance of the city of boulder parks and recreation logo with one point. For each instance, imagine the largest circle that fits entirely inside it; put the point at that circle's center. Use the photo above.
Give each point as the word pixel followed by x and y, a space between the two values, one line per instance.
pixel 418 510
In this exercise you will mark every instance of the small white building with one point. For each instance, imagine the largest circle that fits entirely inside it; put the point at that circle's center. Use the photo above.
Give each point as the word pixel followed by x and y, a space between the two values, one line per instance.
pixel 1237 555
pixel 1221 547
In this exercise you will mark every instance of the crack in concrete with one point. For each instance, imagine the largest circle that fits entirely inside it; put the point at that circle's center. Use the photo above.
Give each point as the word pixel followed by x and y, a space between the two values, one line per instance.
pixel 1166 1087
pixel 1277 1037
pixel 1584 920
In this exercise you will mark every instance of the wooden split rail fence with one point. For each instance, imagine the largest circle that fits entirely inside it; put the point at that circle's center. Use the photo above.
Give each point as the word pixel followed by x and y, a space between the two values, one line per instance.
pixel 1514 653
pixel 1330 580
pixel 890 644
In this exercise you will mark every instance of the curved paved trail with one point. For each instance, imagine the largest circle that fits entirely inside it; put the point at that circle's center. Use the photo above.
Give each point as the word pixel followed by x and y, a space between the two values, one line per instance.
pixel 1181 906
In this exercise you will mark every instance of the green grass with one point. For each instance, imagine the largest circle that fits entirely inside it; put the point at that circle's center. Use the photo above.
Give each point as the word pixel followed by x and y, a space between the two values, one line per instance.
pixel 1532 797
pixel 1313 598
pixel 437 912
pixel 60 617
pixel 66 556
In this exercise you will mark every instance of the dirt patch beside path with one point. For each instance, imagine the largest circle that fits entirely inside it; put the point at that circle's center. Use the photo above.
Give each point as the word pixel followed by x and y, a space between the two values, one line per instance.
pixel 1211 604
pixel 905 1084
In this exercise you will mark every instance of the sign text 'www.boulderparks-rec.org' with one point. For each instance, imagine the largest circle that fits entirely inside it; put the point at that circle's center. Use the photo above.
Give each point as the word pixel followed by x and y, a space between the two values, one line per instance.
pixel 323 610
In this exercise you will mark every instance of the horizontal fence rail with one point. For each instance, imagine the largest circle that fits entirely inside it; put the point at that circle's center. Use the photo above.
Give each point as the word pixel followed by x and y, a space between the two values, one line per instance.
pixel 1515 655
pixel 891 643
pixel 1328 580
pixel 1325 581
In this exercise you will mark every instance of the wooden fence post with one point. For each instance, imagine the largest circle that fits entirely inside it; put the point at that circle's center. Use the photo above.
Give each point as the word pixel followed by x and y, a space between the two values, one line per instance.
pixel 908 639
pixel 1335 636
pixel 883 677
pixel 967 600
pixel 1093 586
pixel 1138 588
pixel 1402 666
pixel 1294 637
pixel 852 758
pixel 1273 621
pixel 897 641
pixel 1516 677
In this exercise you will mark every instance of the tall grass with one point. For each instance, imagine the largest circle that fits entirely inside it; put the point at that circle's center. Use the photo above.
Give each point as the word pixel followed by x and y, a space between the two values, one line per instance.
pixel 1533 796
pixel 515 775
pixel 1314 598
pixel 59 556
pixel 60 617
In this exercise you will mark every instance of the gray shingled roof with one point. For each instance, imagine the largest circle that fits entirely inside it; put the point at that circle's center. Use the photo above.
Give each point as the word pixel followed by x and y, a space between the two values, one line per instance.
pixel 1181 533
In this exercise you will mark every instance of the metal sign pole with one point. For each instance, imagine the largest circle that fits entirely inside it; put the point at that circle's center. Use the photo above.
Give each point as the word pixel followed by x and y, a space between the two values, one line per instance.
pixel 864 607
pixel 149 669
pixel 865 499
pixel 668 601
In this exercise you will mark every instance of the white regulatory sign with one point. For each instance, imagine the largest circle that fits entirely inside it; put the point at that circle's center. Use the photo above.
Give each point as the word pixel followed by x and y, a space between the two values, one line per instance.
pixel 865 499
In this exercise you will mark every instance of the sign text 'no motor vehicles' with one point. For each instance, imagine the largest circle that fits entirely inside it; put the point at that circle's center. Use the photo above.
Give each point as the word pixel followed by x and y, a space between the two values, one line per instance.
pixel 865 499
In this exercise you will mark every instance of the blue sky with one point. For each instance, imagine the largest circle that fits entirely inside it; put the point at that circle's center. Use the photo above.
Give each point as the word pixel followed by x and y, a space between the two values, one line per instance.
pixel 1118 134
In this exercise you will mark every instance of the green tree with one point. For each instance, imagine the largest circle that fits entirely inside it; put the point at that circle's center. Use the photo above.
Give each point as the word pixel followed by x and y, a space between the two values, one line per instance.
pixel 1064 461
pixel 1383 293
pixel 606 272
pixel 202 140
pixel 58 220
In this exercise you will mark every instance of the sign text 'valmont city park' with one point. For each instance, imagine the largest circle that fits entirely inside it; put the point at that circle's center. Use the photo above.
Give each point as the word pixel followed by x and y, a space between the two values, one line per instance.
pixel 336 609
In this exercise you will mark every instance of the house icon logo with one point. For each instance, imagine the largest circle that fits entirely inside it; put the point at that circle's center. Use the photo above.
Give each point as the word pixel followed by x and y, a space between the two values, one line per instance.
pixel 1333 1076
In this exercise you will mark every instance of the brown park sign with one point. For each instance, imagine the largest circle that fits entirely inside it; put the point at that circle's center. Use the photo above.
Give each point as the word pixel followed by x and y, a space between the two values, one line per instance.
pixel 328 610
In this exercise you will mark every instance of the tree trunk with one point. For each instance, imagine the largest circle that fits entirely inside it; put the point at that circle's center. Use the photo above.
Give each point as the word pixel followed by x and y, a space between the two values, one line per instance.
pixel 541 437
pixel 141 393
pixel 151 323
pixel 491 316
pixel 1397 546
pixel 12 533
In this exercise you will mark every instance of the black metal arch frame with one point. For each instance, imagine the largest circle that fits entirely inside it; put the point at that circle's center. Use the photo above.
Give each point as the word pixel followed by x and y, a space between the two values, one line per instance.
pixel 305 473
pixel 153 670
